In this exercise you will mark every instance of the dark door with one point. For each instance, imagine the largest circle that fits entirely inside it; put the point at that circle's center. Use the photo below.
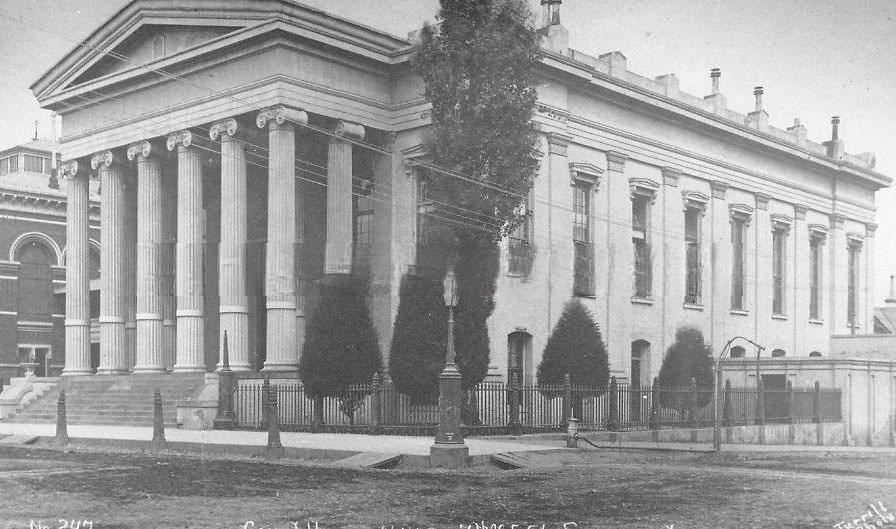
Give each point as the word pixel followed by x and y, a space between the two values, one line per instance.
pixel 775 387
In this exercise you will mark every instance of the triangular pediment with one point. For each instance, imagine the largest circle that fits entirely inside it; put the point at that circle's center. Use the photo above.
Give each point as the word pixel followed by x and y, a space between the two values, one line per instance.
pixel 148 43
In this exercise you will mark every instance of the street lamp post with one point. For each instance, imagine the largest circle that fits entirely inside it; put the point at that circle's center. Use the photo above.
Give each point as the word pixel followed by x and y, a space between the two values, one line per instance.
pixel 449 450
pixel 717 388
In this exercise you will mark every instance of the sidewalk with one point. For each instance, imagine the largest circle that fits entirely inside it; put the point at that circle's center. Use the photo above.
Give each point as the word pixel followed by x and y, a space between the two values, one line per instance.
pixel 323 442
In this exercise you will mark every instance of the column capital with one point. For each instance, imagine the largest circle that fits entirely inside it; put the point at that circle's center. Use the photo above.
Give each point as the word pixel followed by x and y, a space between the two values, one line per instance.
pixel 104 159
pixel 183 139
pixel 280 115
pixel 349 130
pixel 762 201
pixel 870 228
pixel 837 221
pixel 142 150
pixel 718 189
pixel 224 128
pixel 69 169
pixel 799 211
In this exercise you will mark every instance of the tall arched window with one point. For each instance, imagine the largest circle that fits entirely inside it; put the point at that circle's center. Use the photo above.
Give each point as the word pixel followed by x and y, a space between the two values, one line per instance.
pixel 640 364
pixel 737 352
pixel 35 285
pixel 779 353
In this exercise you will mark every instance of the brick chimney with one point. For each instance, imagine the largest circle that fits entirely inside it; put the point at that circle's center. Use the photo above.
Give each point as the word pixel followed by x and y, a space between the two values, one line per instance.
pixel 555 36
pixel 836 148
pixel 758 119
pixel 716 100
pixel 798 131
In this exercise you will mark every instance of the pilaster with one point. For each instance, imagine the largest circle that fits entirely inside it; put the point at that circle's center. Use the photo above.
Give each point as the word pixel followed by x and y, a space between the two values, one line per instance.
pixel 870 290
pixel 838 275
pixel 721 256
pixel 761 274
pixel 619 281
pixel 801 275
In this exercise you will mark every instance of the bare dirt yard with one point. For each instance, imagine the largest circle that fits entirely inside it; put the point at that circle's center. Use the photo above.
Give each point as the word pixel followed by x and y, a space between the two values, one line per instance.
pixel 582 489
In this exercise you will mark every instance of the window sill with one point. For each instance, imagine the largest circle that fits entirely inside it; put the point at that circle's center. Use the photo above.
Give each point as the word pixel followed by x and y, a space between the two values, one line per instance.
pixel 517 274
pixel 782 317
pixel 816 322
pixel 586 296
pixel 693 306
pixel 642 301
pixel 738 312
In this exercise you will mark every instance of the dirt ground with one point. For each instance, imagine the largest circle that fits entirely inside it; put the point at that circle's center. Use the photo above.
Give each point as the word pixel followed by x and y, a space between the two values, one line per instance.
pixel 582 489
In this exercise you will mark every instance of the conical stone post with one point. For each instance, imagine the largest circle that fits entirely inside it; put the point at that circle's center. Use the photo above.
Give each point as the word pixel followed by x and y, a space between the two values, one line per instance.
pixel 158 423
pixel 61 423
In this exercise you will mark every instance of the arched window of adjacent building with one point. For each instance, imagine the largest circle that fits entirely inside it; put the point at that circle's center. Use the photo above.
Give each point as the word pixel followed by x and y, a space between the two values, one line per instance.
pixel 519 357
pixel 814 354
pixel 737 352
pixel 35 284
pixel 778 353
pixel 640 364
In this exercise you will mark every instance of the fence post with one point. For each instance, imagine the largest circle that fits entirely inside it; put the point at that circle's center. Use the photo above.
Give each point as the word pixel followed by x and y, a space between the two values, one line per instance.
pixel 265 402
pixel 513 421
pixel 567 399
pixel 375 417
pixel 654 420
pixel 727 408
pixel 274 449
pixel 692 404
pixel 613 420
pixel 816 414
pixel 760 405
pixel 791 421
pixel 61 423
pixel 158 423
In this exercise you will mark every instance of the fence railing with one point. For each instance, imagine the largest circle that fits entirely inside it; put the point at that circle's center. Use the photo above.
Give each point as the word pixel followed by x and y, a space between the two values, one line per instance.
pixel 496 407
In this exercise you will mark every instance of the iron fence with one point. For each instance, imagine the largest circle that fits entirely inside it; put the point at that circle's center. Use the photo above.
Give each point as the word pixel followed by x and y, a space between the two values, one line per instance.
pixel 494 407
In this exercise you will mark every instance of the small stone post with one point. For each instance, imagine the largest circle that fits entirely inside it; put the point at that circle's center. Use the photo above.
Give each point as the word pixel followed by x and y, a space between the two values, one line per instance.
pixel 158 423
pixel 613 419
pixel 265 403
pixel 61 423
pixel 274 449
pixel 572 433
pixel 225 419
pixel 375 403
pixel 692 409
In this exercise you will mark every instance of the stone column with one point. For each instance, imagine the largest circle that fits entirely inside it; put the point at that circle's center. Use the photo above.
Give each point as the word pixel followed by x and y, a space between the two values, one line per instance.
pixel 839 275
pixel 280 279
pixel 338 257
pixel 234 307
pixel 169 237
pixel 130 282
pixel 149 352
pixel 77 273
pixel 190 328
pixel 113 218
pixel 619 286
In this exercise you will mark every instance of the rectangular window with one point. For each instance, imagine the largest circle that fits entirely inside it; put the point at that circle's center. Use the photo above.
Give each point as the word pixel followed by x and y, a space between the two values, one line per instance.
pixel 815 246
pixel 581 235
pixel 852 285
pixel 520 243
pixel 363 235
pixel 4 165
pixel 13 164
pixel 34 164
pixel 643 265
pixel 738 234
pixel 779 253
pixel 692 235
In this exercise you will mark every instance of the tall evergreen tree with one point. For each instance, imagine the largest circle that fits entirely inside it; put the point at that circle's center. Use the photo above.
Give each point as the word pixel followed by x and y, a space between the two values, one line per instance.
pixel 577 348
pixel 478 66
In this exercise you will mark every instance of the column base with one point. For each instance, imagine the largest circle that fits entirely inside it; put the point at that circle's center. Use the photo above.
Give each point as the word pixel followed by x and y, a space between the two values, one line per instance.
pixel 145 370
pixel 236 367
pixel 80 372
pixel 280 367
pixel 111 371
pixel 188 369
pixel 449 456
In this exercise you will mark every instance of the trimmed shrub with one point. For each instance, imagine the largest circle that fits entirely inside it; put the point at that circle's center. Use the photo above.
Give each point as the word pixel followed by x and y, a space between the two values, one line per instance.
pixel 575 347
pixel 417 355
pixel 688 357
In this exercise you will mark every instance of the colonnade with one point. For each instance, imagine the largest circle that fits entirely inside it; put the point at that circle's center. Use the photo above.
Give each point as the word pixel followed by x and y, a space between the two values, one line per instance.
pixel 171 314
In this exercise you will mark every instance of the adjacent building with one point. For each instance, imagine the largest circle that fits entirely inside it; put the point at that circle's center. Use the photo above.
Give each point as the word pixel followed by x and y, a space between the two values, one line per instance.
pixel 246 150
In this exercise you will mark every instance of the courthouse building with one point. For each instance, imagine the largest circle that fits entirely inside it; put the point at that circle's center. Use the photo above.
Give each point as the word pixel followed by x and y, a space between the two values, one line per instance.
pixel 246 149
pixel 32 261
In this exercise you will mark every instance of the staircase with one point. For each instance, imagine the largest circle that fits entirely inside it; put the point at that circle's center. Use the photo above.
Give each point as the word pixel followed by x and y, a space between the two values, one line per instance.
pixel 118 400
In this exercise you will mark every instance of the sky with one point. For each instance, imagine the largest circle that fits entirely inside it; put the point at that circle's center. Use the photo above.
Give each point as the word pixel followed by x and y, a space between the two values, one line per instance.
pixel 815 58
